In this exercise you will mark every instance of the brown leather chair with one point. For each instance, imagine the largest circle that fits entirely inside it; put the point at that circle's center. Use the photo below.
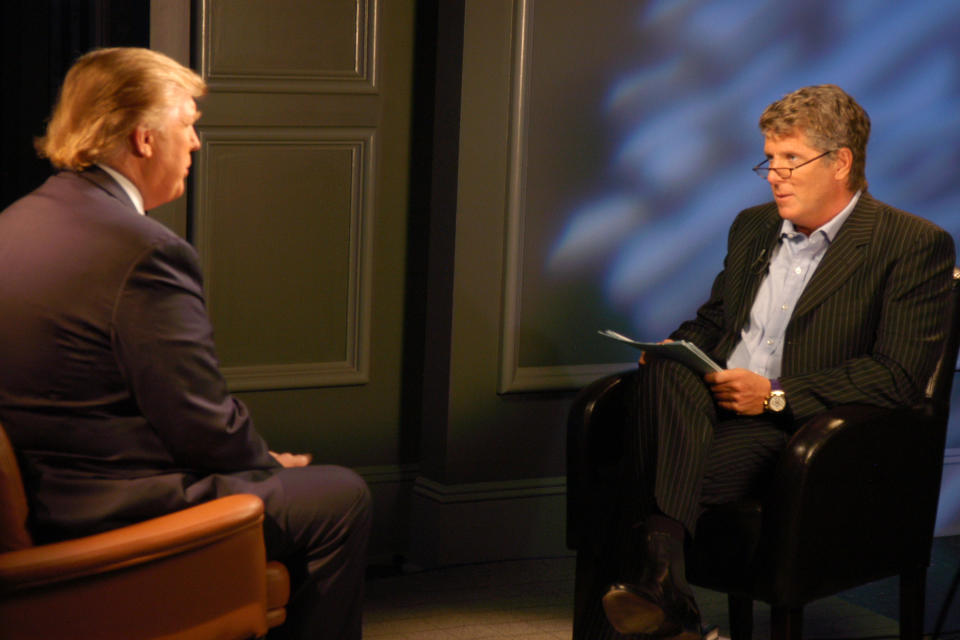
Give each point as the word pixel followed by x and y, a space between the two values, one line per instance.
pixel 195 574
pixel 854 499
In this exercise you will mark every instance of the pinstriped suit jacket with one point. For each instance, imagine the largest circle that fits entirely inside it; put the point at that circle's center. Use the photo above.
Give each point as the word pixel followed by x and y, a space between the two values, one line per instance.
pixel 869 325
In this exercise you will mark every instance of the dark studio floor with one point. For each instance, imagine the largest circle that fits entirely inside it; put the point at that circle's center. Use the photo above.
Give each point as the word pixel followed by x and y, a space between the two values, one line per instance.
pixel 533 600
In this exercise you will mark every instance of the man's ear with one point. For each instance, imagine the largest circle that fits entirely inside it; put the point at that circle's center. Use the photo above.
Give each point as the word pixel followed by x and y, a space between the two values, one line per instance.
pixel 142 141
pixel 843 163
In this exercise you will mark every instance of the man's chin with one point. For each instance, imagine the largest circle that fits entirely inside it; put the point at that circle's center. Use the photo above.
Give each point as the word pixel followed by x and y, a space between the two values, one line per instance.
pixel 179 191
pixel 164 200
pixel 785 209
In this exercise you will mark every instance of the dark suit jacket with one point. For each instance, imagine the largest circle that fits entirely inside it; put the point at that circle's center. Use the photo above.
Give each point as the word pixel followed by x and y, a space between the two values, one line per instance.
pixel 109 386
pixel 870 323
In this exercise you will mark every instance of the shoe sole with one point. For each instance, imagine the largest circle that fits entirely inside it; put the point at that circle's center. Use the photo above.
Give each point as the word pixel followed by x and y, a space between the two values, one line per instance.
pixel 631 613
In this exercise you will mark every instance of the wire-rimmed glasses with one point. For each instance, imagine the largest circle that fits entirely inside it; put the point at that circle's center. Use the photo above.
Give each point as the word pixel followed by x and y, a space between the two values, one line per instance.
pixel 784 172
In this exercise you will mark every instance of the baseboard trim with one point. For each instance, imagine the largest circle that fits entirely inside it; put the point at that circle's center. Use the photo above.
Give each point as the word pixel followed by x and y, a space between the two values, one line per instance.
pixel 433 523
pixel 484 491
pixel 389 473
pixel 390 489
pixel 487 521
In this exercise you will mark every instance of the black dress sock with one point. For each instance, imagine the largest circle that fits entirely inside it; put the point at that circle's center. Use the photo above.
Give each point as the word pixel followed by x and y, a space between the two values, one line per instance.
pixel 660 524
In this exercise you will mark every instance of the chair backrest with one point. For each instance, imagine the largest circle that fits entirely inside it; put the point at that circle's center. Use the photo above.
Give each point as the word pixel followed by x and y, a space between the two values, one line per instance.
pixel 939 387
pixel 13 500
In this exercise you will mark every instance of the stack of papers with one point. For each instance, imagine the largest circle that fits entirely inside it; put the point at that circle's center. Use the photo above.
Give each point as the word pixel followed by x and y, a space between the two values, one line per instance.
pixel 681 351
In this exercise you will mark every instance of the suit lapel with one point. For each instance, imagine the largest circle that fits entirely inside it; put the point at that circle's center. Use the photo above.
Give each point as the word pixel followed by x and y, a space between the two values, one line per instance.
pixel 759 251
pixel 843 257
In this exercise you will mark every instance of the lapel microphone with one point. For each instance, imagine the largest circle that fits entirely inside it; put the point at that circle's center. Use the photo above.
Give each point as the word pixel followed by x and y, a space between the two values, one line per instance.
pixel 760 264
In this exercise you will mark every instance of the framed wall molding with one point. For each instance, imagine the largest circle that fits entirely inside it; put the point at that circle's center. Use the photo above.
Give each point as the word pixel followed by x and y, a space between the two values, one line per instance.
pixel 511 379
pixel 335 52
pixel 514 377
pixel 216 206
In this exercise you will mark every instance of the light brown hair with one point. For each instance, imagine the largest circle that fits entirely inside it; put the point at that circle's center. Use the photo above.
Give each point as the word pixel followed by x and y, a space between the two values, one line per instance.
pixel 829 118
pixel 107 94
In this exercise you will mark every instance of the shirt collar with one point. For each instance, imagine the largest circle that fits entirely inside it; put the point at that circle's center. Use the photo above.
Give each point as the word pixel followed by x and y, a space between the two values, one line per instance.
pixel 831 228
pixel 130 188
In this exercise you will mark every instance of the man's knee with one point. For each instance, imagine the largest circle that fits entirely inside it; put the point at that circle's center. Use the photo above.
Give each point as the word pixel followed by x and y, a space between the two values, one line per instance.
pixel 342 493
pixel 321 503
pixel 357 491
pixel 661 371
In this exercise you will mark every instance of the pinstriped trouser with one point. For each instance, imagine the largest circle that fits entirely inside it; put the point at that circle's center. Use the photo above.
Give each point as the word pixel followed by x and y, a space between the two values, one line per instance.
pixel 686 453
pixel 683 454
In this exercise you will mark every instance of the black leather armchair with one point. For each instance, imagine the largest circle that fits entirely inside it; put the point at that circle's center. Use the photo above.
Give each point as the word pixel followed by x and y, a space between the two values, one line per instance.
pixel 853 500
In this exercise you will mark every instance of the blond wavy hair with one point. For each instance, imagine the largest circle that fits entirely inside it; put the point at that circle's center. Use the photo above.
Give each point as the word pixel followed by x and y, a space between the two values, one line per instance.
pixel 107 94
pixel 830 119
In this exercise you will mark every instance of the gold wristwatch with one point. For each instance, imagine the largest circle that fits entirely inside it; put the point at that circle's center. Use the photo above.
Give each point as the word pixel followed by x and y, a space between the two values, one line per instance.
pixel 776 401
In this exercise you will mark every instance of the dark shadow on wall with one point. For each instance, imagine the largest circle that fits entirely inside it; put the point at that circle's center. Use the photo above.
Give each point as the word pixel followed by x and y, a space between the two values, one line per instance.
pixel 435 132
pixel 39 40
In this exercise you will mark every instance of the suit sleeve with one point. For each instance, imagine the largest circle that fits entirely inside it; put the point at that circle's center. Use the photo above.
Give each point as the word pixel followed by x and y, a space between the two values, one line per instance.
pixel 907 341
pixel 163 342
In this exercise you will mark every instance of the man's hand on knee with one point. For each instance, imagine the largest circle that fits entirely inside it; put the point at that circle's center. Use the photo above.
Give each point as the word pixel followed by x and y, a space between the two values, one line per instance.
pixel 290 460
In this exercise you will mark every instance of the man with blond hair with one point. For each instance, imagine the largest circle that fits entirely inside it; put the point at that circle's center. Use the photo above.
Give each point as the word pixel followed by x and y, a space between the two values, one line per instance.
pixel 827 297
pixel 110 388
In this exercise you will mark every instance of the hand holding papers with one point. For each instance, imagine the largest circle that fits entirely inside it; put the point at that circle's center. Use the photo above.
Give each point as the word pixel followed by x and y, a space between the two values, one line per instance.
pixel 682 351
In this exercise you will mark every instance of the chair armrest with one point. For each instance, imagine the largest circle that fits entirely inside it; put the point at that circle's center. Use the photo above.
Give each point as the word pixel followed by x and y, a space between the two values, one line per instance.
pixel 135 544
pixel 197 573
pixel 595 424
pixel 278 593
pixel 849 476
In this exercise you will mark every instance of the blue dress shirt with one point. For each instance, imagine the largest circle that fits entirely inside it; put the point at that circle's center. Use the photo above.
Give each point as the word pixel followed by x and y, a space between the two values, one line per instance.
pixel 792 264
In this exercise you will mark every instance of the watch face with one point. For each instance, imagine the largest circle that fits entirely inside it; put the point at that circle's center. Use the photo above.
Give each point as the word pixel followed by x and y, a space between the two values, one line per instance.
pixel 777 402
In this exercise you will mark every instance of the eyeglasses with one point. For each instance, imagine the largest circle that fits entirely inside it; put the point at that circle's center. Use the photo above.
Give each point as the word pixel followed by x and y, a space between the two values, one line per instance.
pixel 784 172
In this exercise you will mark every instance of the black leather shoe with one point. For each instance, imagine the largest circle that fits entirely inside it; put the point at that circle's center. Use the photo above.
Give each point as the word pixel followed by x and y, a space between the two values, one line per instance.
pixel 674 616
pixel 654 605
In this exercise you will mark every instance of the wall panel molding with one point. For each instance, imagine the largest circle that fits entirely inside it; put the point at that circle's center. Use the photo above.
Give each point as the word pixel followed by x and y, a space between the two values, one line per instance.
pixel 252 48
pixel 514 377
pixel 511 378
pixel 347 152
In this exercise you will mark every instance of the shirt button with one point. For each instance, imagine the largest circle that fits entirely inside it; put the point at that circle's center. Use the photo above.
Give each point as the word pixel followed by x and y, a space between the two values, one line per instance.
pixel 769 341
pixel 783 307
pixel 798 271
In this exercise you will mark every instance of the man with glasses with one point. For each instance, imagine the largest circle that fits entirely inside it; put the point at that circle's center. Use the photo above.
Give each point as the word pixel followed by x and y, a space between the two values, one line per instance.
pixel 827 297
